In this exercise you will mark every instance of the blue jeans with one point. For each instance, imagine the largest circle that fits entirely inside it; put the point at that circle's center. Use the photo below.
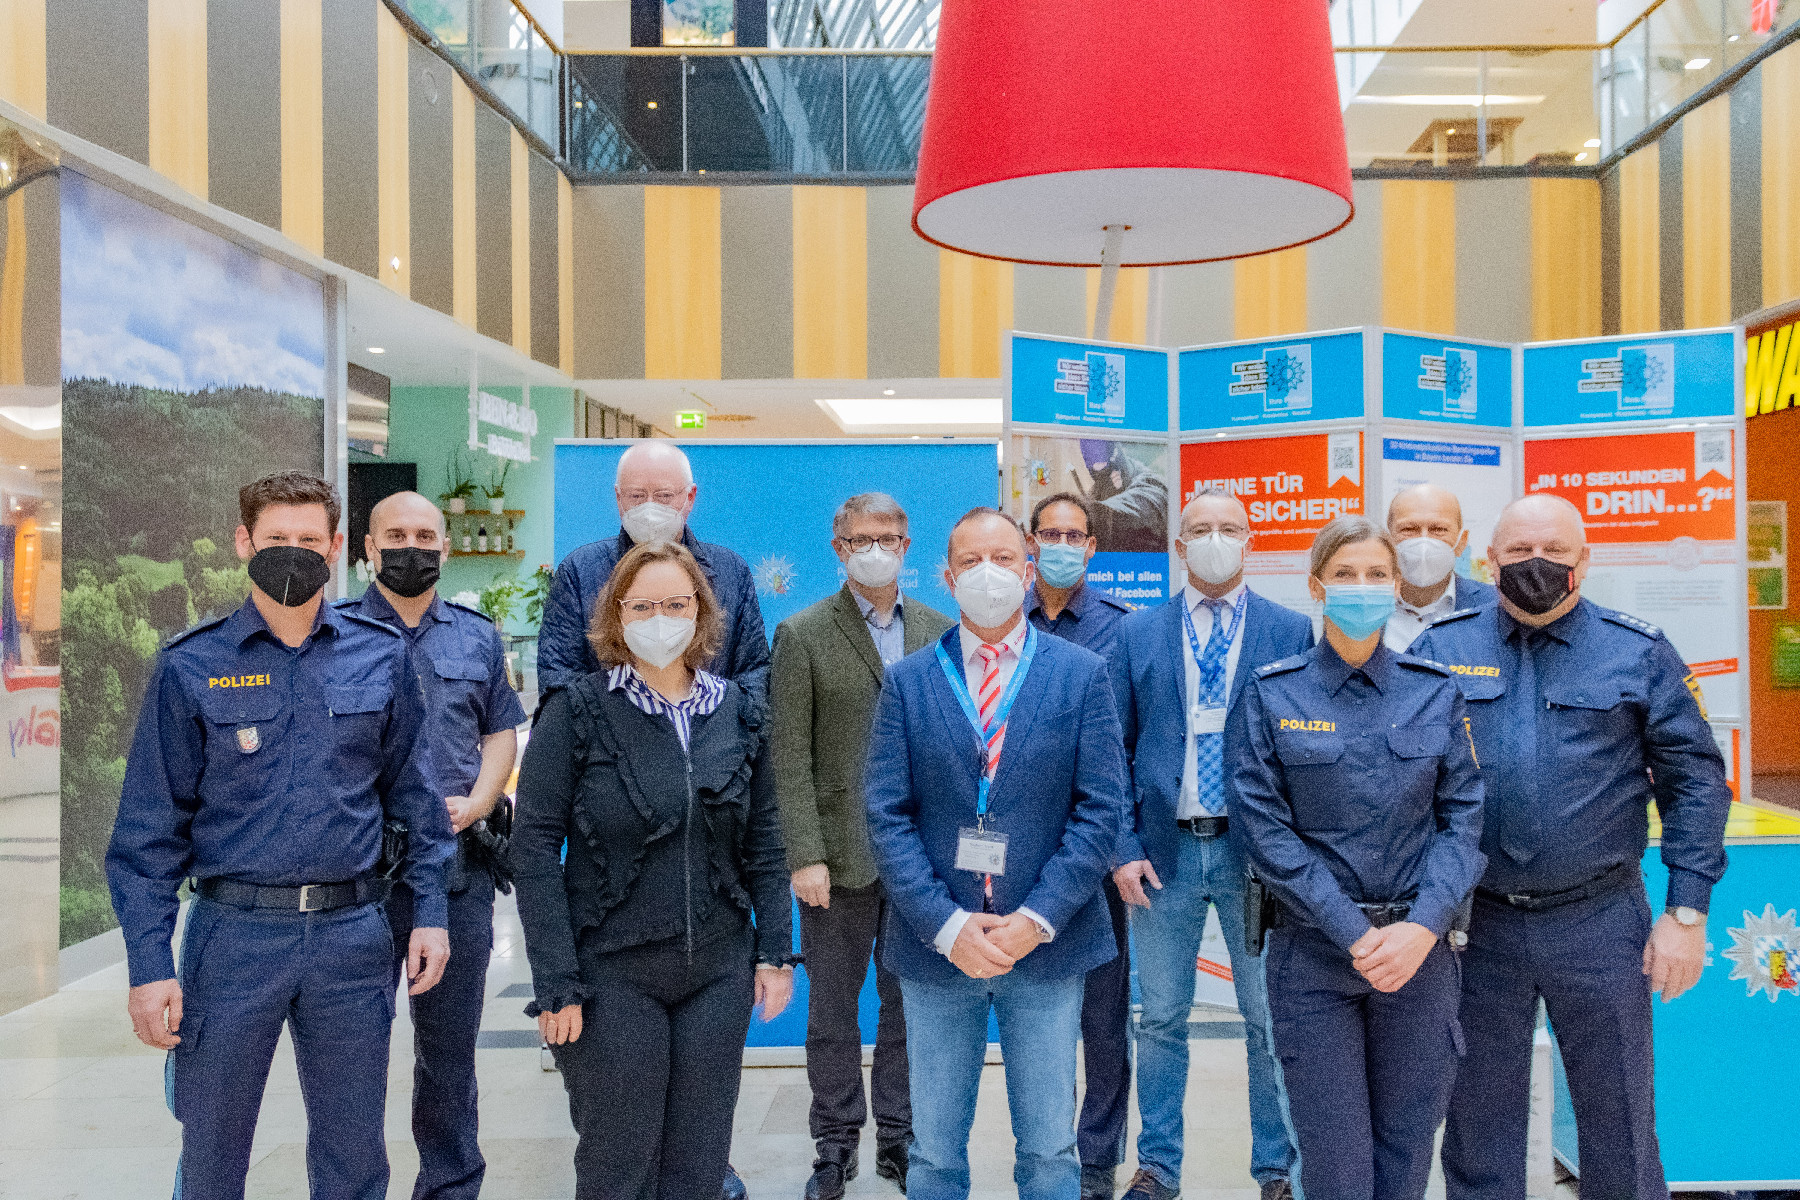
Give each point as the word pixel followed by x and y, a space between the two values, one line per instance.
pixel 1165 942
pixel 946 1043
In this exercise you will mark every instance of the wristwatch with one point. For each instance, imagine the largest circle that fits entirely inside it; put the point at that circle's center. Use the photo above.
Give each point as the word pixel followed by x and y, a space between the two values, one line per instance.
pixel 1686 916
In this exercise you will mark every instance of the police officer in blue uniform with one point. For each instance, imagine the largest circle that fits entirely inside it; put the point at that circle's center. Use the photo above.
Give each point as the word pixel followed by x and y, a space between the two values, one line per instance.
pixel 471 717
pixel 1355 792
pixel 1583 716
pixel 1060 602
pixel 270 745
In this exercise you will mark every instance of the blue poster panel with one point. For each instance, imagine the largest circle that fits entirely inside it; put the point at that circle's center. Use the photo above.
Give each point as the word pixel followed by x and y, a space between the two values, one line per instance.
pixel 1089 385
pixel 1649 377
pixel 1276 382
pixel 1457 383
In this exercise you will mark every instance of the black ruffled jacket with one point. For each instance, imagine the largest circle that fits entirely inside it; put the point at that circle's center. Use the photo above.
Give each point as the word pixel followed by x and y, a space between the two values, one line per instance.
pixel 661 844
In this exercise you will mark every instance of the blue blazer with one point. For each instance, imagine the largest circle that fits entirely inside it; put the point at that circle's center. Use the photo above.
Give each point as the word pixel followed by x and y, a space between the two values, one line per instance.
pixel 1059 796
pixel 1472 593
pixel 1150 678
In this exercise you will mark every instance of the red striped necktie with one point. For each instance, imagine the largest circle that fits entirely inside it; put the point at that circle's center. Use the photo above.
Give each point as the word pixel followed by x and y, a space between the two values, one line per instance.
pixel 989 703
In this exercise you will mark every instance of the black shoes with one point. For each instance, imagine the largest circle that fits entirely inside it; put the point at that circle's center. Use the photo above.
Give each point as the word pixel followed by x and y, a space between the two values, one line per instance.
pixel 1097 1183
pixel 734 1188
pixel 1278 1189
pixel 1146 1186
pixel 830 1175
pixel 891 1161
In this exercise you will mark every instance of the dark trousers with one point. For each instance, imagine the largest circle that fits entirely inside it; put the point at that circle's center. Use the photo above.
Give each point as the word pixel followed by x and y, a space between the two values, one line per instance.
pixel 245 974
pixel 1586 961
pixel 653 1079
pixel 1106 1047
pixel 838 942
pixel 1368 1073
pixel 446 1021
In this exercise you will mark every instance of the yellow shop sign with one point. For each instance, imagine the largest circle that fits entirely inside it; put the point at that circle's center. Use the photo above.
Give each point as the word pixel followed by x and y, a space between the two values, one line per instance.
pixel 1772 371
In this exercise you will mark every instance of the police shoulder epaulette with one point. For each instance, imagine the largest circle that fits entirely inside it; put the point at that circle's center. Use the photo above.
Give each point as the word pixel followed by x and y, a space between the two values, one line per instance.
pixel 346 602
pixel 352 614
pixel 472 611
pixel 1630 622
pixel 178 638
pixel 1292 662
pixel 1422 664
pixel 1458 615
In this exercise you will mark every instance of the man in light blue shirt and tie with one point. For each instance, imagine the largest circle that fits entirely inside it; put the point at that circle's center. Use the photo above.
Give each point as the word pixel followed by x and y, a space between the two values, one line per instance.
pixel 1177 670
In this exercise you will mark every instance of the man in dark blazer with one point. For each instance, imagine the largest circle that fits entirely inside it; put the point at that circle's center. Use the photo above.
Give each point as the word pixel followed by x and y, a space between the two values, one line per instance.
pixel 1426 522
pixel 1178 669
pixel 823 682
pixel 995 787
pixel 655 491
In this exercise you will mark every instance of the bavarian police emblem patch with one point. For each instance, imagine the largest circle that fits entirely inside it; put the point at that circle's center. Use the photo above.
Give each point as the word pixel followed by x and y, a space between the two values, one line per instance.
pixel 1765 953
pixel 249 740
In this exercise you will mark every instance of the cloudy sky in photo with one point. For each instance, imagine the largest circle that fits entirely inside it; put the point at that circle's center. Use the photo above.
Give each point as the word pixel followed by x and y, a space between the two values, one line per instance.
pixel 153 301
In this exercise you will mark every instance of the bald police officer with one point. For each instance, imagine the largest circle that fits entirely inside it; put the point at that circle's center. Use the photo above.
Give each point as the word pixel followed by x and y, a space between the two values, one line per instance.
pixel 271 745
pixel 1582 717
pixel 471 715
pixel 1426 523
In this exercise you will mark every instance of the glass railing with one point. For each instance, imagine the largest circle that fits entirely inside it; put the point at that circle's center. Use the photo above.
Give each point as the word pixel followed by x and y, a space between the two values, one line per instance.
pixel 814 113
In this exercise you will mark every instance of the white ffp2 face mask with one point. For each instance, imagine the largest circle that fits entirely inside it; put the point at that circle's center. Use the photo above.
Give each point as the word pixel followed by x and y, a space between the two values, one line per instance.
pixel 659 640
pixel 652 522
pixel 873 567
pixel 1425 561
pixel 1215 557
pixel 988 594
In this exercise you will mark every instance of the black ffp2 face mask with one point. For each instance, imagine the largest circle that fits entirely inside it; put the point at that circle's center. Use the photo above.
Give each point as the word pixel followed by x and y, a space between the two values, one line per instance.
pixel 1537 585
pixel 409 570
pixel 289 575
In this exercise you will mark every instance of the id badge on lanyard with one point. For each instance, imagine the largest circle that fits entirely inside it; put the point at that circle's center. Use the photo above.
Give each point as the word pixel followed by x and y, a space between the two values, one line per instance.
pixel 979 848
pixel 1205 717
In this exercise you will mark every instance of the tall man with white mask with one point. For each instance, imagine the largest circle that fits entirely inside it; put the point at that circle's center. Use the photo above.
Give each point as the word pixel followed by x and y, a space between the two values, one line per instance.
pixel 1426 523
pixel 825 678
pixel 1178 669
pixel 995 787
pixel 655 492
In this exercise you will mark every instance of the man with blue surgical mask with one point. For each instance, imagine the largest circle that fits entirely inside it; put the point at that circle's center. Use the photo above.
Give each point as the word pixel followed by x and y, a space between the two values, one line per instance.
pixel 1426 523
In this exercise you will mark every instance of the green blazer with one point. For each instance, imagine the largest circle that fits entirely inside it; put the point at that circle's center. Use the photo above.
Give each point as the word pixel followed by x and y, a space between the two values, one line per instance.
pixel 823 683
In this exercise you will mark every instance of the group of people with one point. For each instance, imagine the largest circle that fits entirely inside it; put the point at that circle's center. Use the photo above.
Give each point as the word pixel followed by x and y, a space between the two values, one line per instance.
pixel 1412 831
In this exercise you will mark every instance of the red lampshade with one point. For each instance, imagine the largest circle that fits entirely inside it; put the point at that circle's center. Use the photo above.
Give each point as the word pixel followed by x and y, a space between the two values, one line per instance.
pixel 1210 127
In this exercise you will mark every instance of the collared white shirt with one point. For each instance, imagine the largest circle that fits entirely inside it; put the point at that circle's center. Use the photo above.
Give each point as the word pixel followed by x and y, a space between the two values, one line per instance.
pixel 1408 622
pixel 1189 803
pixel 889 639
pixel 973 669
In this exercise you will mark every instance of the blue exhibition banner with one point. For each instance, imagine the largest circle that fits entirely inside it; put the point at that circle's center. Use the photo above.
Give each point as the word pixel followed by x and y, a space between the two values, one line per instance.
pixel 1457 383
pixel 1476 454
pixel 1089 385
pixel 1276 382
pixel 1649 377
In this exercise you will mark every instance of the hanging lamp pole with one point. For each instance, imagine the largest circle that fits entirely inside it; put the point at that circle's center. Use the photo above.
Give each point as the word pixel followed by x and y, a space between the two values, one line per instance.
pixel 1109 280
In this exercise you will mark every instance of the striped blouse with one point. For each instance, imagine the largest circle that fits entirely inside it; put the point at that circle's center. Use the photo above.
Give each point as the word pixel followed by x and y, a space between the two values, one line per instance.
pixel 708 691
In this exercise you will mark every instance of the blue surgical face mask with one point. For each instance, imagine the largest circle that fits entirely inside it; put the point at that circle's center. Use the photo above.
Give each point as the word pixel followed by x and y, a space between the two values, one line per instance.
pixel 1359 609
pixel 1061 566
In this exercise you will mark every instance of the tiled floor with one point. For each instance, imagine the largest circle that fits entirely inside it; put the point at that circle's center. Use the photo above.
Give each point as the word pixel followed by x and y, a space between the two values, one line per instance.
pixel 82 1114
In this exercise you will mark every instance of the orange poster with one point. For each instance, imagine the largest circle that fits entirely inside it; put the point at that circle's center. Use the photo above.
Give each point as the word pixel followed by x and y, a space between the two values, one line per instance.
pixel 1641 487
pixel 1291 486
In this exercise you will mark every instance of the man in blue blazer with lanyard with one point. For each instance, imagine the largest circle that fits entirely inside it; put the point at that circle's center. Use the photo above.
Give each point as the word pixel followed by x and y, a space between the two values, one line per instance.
pixel 1178 670
pixel 1426 523
pixel 995 786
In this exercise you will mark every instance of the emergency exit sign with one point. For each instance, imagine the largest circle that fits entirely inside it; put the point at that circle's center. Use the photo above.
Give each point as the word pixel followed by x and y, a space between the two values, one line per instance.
pixel 691 419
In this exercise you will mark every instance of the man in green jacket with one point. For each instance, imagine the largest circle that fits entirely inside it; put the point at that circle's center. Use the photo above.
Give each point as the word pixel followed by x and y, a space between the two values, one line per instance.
pixel 823 683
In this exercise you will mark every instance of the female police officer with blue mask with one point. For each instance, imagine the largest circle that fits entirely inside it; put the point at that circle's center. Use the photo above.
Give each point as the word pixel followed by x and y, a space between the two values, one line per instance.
pixel 1355 792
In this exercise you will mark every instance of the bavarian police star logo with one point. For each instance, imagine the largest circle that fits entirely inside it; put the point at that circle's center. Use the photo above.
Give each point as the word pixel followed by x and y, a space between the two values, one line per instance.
pixel 249 740
pixel 1765 953
pixel 775 574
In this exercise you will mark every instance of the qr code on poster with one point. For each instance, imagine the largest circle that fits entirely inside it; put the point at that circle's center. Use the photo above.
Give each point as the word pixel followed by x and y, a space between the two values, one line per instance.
pixel 1712 451
pixel 1343 458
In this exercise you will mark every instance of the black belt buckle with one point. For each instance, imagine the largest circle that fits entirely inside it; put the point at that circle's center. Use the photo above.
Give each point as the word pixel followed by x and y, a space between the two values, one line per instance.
pixel 306 897
pixel 1382 915
pixel 1206 827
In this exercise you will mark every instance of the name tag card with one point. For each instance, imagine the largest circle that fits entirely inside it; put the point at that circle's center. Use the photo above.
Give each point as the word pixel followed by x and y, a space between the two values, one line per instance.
pixel 982 851
pixel 1206 719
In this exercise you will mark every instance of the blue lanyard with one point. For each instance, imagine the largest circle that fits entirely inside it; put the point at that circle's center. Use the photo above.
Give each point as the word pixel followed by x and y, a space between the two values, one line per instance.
pixel 1193 636
pixel 960 687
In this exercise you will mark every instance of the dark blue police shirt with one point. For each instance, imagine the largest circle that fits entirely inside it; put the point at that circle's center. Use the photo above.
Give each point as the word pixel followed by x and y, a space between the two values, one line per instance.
pixel 460 665
pixel 1090 619
pixel 563 651
pixel 1353 785
pixel 269 764
pixel 1619 724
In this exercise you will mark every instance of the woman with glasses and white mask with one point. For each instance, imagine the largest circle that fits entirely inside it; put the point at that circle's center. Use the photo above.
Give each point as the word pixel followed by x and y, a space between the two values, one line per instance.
pixel 645 964
pixel 1354 788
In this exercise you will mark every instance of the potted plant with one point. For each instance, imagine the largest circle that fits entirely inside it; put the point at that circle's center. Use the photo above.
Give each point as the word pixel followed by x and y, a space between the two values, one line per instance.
pixel 456 500
pixel 537 591
pixel 499 600
pixel 496 490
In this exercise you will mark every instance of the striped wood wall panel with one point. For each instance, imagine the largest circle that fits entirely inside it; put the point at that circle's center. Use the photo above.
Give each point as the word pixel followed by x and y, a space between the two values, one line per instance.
pixel 1269 294
pixel 393 177
pixel 462 202
pixel 12 293
pixel 1706 214
pixel 1781 176
pixel 1640 293
pixel 682 283
pixel 1565 258
pixel 1131 305
pixel 565 275
pixel 178 95
pixel 831 282
pixel 1418 255
pixel 303 123
pixel 520 163
pixel 24 68
pixel 975 309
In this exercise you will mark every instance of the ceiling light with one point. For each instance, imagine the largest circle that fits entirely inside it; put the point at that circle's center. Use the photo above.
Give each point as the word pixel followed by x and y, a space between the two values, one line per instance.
pixel 904 416
pixel 33 421
pixel 652 104
pixel 887 391
pixel 377 350
pixel 394 262
pixel 1732 38
pixel 1450 130
pixel 1447 101
pixel 1592 143
pixel 1581 156
pixel 1696 64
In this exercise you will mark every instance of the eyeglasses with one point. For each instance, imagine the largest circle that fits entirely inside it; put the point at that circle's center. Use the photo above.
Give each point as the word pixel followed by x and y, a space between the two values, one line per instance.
pixel 1061 537
pixel 637 496
pixel 887 541
pixel 1236 533
pixel 671 606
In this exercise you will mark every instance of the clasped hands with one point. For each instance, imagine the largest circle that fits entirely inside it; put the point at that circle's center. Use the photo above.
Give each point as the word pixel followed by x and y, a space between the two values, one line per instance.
pixel 989 945
pixel 1389 956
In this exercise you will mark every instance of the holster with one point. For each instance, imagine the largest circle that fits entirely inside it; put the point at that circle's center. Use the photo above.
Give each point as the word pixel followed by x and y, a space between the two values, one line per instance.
pixel 488 842
pixel 395 838
pixel 1262 912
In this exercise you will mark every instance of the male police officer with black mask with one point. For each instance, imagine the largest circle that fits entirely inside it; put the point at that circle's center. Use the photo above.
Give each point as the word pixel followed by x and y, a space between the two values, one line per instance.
pixel 471 715
pixel 1581 717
